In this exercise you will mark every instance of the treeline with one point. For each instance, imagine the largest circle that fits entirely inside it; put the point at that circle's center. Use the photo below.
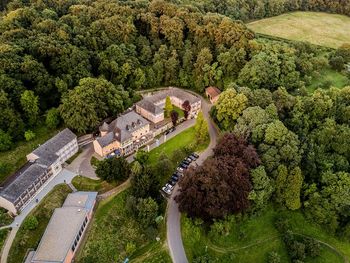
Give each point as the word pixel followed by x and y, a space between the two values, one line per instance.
pixel 256 9
pixel 62 56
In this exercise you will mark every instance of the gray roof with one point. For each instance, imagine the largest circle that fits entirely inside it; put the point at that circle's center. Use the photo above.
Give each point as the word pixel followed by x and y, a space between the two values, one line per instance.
pixel 47 151
pixel 172 92
pixel 64 226
pixel 21 180
pixel 150 106
pixel 121 128
pixel 60 234
pixel 81 199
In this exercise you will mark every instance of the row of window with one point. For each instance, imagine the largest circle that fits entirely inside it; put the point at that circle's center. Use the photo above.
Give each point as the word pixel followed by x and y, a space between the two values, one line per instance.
pixel 76 241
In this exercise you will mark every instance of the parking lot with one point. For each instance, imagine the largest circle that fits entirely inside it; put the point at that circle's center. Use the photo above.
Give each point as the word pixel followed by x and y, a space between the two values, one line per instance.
pixel 168 188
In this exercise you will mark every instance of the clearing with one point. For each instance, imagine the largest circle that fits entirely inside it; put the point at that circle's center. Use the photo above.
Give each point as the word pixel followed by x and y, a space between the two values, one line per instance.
pixel 318 28
pixel 250 239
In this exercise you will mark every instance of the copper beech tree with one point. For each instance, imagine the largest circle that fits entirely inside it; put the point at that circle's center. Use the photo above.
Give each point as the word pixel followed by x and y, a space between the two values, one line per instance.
pixel 221 185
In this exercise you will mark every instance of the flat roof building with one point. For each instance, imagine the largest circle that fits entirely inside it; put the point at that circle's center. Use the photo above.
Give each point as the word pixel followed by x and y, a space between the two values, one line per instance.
pixel 65 229
pixel 44 163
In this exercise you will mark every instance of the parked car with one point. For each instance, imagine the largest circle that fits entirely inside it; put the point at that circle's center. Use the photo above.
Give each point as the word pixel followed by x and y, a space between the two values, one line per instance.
pixel 184 166
pixel 178 174
pixel 192 157
pixel 195 155
pixel 180 169
pixel 167 132
pixel 186 162
pixel 172 182
pixel 175 178
pixel 166 190
pixel 188 159
pixel 169 186
pixel 172 129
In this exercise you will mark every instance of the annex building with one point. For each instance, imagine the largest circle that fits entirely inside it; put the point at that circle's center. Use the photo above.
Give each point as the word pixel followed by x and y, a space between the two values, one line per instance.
pixel 65 230
pixel 152 106
pixel 43 163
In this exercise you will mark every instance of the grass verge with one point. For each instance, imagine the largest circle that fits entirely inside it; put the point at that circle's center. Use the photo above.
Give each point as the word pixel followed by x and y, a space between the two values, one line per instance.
pixel 113 225
pixel 12 160
pixel 86 184
pixel 5 218
pixel 251 239
pixel 3 236
pixel 25 238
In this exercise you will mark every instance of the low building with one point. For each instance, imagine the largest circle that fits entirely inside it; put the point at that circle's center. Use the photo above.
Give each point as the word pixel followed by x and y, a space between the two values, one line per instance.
pixel 152 106
pixel 43 164
pixel 212 94
pixel 123 135
pixel 65 230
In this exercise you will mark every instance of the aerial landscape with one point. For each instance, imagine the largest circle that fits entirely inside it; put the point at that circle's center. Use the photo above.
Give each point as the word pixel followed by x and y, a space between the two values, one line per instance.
pixel 179 131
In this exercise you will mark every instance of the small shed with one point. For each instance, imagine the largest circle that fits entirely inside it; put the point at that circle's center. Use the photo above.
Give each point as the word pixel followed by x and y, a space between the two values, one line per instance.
pixel 212 93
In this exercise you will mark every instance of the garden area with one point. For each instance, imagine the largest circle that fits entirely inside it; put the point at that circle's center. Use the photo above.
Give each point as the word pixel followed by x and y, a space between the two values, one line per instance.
pixel 13 159
pixel 254 238
pixel 34 225
pixel 113 224
pixel 5 218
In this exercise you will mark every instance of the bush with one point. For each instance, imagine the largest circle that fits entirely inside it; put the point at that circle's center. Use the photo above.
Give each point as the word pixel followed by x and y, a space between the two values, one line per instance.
pixel 273 257
pixel 337 63
pixel 30 223
pixel 29 135
pixel 5 141
pixel 52 118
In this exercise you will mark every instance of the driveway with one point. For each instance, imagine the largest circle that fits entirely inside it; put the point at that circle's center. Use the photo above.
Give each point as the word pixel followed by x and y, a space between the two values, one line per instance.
pixel 81 165
pixel 62 177
pixel 176 248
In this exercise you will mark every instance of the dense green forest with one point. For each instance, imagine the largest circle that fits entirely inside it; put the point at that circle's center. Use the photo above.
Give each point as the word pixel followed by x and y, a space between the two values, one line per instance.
pixel 80 61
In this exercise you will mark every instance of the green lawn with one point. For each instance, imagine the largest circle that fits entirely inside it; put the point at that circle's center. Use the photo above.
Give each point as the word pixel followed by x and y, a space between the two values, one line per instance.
pixel 5 219
pixel 113 232
pixel 327 78
pixel 25 238
pixel 3 236
pixel 179 111
pixel 15 158
pixel 251 239
pixel 186 138
pixel 318 28
pixel 86 184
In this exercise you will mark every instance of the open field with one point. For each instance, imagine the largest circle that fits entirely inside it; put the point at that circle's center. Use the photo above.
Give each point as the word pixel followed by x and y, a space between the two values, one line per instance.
pixel 318 28
pixel 251 239
pixel 26 238
pixel 13 159
pixel 113 225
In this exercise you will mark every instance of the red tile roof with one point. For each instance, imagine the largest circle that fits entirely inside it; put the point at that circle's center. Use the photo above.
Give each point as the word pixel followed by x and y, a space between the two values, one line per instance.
pixel 212 91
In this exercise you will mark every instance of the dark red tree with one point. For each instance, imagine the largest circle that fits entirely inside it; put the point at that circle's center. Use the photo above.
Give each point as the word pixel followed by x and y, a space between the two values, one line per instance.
pixel 186 106
pixel 174 116
pixel 221 185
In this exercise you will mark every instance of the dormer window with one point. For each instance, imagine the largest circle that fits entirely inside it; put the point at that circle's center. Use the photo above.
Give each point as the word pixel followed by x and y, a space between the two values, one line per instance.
pixel 139 122
pixel 127 127
pixel 133 124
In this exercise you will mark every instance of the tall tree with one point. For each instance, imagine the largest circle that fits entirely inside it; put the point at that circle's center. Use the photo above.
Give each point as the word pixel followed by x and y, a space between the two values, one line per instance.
pixel 168 107
pixel 30 106
pixel 201 128
pixel 186 106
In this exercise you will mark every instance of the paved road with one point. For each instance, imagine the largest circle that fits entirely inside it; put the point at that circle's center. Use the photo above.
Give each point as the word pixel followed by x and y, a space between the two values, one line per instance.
pixel 63 176
pixel 177 251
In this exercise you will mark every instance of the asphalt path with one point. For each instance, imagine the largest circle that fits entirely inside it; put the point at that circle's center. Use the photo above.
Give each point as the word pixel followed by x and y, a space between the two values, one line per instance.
pixel 176 248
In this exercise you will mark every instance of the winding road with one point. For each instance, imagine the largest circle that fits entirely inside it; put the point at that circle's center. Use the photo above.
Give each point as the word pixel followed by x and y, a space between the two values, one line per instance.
pixel 176 248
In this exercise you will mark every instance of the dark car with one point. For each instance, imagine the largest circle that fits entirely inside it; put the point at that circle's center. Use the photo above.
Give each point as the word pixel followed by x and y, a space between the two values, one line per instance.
pixel 195 155
pixel 184 166
pixel 186 162
pixel 172 129
pixel 172 182
pixel 188 159
pixel 178 174
pixel 167 132
pixel 174 178
pixel 192 157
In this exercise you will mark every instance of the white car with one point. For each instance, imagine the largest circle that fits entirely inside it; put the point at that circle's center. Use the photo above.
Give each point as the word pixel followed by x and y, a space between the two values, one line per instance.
pixel 166 190
pixel 180 169
pixel 169 186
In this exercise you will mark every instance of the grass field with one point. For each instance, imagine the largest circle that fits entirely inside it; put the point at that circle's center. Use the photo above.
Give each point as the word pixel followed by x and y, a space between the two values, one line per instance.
pixel 86 184
pixel 251 239
pixel 186 138
pixel 113 225
pixel 328 78
pixel 318 28
pixel 26 238
pixel 15 158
